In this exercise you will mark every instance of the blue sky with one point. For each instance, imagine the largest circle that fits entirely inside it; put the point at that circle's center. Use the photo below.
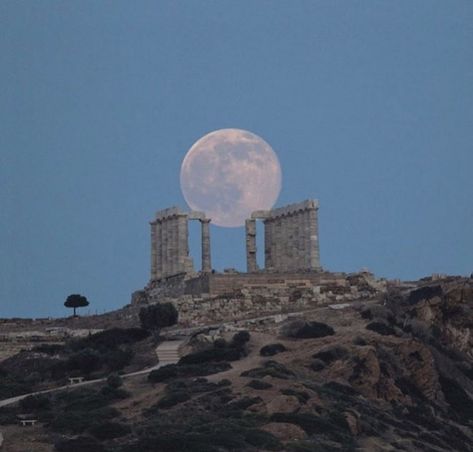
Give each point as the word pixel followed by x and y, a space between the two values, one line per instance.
pixel 368 104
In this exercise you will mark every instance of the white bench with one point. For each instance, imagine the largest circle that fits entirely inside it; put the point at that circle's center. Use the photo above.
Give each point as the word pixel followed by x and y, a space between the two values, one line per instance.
pixel 28 422
pixel 75 380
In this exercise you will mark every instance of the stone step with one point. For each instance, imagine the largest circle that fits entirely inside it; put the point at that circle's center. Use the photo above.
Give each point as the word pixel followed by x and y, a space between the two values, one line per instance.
pixel 169 351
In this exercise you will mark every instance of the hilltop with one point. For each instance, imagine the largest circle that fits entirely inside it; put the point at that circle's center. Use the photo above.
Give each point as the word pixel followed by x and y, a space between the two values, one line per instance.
pixel 388 371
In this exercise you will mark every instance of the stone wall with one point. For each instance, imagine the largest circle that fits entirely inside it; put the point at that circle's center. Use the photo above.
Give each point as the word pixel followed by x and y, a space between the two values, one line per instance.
pixel 243 296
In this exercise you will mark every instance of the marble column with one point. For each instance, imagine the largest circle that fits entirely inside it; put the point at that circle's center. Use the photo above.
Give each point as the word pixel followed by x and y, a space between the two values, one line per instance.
pixel 153 251
pixel 165 246
pixel 313 240
pixel 206 258
pixel 159 250
pixel 250 229
pixel 182 243
pixel 268 244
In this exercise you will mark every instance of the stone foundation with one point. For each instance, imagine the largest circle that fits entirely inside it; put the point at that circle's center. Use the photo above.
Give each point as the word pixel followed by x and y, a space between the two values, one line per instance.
pixel 215 298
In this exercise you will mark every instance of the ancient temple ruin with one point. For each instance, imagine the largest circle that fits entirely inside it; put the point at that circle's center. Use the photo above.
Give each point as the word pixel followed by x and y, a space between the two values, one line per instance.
pixel 291 238
pixel 170 243
pixel 291 242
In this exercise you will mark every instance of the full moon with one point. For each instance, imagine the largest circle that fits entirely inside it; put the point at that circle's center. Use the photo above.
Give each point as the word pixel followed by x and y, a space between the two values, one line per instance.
pixel 230 173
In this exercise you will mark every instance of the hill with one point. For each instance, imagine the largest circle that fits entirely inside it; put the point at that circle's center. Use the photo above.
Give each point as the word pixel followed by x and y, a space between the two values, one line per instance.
pixel 394 372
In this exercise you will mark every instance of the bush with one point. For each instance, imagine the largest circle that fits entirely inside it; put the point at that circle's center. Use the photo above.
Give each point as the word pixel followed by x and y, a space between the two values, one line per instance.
pixel 158 316
pixel 317 365
pixel 49 349
pixel 79 444
pixel 187 370
pixel 380 328
pixel 163 373
pixel 272 349
pixel 331 354
pixel 457 398
pixel 114 381
pixel 302 396
pixel 271 368
pixel 77 420
pixel 109 430
pixel 240 339
pixel 118 359
pixel 173 398
pixel 220 351
pixel 262 440
pixel 258 384
pixel 109 339
pixel 35 403
pixel 85 361
pixel 306 330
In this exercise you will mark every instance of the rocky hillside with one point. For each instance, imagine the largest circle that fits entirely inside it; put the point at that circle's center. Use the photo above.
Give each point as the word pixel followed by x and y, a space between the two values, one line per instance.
pixel 392 374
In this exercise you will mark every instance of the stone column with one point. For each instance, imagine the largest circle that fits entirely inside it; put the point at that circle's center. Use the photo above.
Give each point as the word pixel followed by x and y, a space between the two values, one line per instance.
pixel 173 245
pixel 182 243
pixel 268 244
pixel 153 251
pixel 313 240
pixel 250 229
pixel 159 250
pixel 165 246
pixel 206 257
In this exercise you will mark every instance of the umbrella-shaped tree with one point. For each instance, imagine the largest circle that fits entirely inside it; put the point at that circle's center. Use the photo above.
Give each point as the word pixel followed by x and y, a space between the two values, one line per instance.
pixel 76 301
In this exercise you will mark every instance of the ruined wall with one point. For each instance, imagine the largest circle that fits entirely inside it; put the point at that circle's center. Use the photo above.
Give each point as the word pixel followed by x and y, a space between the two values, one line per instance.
pixel 291 238
pixel 221 298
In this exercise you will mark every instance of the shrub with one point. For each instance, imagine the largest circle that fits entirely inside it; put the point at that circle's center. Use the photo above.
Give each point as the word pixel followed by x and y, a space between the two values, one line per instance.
pixel 118 359
pixel 258 384
pixel 380 328
pixel 109 430
pixel 173 398
pixel 35 403
pixel 331 354
pixel 302 396
pixel 306 330
pixel 272 349
pixel 240 338
pixel 79 444
pixel 271 368
pixel 163 373
pixel 187 370
pixel 262 440
pixel 457 398
pixel 85 361
pixel 158 316
pixel 317 365
pixel 49 349
pixel 109 339
pixel 114 381
pixel 77 421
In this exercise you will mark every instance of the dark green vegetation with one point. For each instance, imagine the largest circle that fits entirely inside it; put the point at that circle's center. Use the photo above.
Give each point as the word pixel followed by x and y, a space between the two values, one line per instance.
pixel 259 384
pixel 199 416
pixel 306 330
pixel 220 350
pixel 157 316
pixel 271 368
pixel 272 349
pixel 172 371
pixel 75 301
pixel 94 356
pixel 407 390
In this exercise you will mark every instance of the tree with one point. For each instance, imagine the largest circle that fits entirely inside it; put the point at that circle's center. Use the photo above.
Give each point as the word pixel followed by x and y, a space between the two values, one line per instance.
pixel 76 301
pixel 158 316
